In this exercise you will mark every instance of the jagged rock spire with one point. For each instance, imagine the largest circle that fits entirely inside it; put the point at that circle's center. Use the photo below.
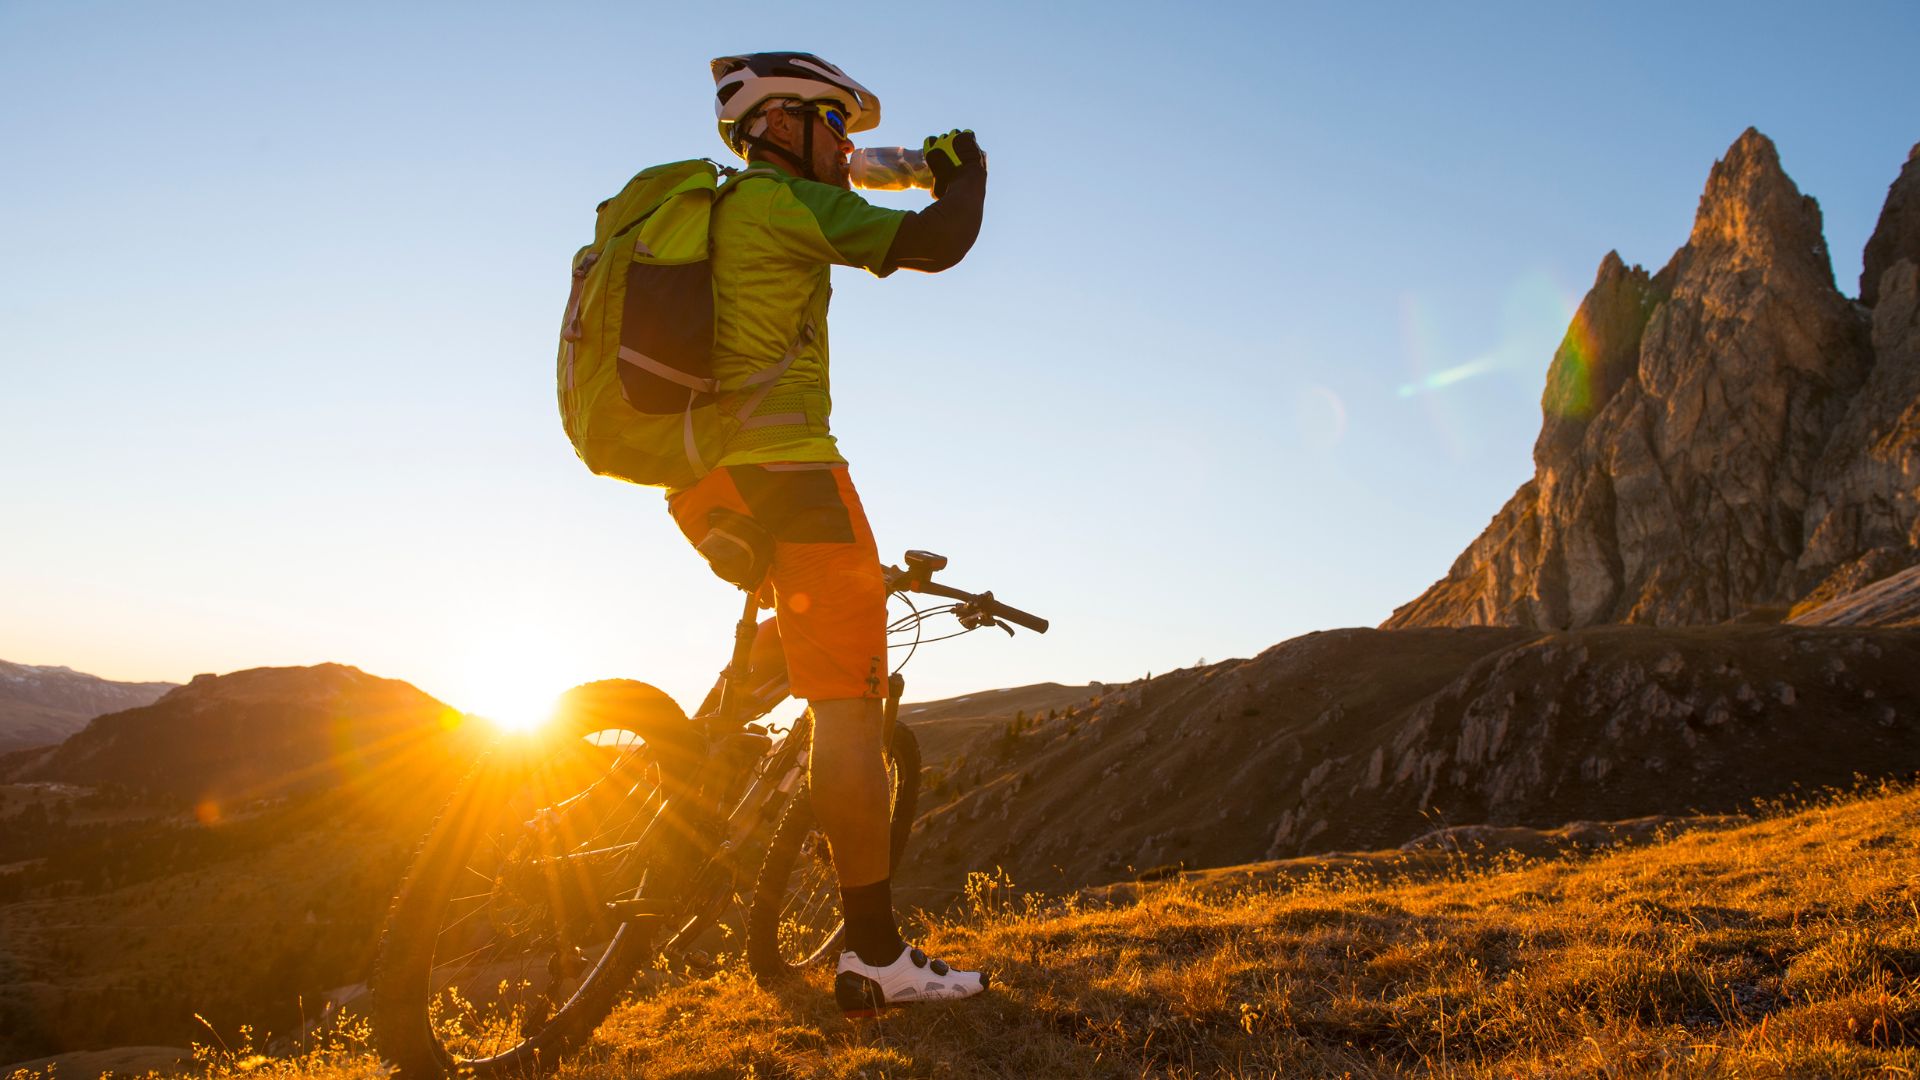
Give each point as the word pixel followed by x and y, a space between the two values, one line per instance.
pixel 1752 215
pixel 1897 237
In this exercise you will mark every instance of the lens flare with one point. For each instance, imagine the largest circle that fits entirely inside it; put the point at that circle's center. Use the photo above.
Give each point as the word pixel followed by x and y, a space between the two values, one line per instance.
pixel 1440 380
pixel 1534 314
pixel 1570 381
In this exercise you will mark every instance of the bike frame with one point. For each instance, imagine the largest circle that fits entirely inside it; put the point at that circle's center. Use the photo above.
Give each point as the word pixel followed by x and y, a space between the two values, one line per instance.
pixel 744 777
pixel 744 771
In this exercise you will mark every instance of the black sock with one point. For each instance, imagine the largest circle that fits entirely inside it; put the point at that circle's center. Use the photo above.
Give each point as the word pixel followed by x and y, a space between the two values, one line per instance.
pixel 870 929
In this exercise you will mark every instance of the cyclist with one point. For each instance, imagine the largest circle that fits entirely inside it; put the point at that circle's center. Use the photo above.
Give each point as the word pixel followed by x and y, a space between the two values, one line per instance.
pixel 774 239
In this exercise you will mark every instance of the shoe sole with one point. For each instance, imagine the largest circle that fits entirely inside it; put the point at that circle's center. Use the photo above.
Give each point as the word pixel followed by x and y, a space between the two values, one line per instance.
pixel 858 996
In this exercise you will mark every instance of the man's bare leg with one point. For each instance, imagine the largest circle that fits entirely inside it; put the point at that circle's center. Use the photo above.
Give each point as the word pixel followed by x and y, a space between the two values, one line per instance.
pixel 851 802
pixel 853 806
pixel 848 777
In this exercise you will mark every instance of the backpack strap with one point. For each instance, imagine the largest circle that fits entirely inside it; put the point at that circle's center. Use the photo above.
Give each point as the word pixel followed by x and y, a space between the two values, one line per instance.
pixel 734 181
pixel 764 380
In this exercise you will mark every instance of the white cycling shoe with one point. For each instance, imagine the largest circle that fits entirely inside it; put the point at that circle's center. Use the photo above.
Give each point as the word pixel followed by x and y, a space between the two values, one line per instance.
pixel 863 989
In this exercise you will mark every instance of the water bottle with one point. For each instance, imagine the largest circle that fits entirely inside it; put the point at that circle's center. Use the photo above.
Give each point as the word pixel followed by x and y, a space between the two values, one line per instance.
pixel 889 168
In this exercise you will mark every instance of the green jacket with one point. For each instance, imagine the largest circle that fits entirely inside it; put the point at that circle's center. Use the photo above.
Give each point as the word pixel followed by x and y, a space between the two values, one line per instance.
pixel 774 240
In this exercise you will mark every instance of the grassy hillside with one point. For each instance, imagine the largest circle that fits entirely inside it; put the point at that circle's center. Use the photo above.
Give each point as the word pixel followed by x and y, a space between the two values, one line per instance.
pixel 229 850
pixel 162 921
pixel 1355 740
pixel 944 726
pixel 1784 946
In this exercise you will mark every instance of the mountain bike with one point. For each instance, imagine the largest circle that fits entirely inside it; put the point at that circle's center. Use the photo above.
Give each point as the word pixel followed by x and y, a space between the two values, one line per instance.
pixel 626 843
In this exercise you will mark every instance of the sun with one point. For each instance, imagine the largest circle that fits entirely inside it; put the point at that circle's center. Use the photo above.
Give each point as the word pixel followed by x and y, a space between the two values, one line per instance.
pixel 525 715
pixel 511 682
pixel 510 700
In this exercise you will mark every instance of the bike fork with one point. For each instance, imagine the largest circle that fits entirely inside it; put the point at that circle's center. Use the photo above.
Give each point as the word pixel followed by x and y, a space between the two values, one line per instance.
pixel 896 685
pixel 740 667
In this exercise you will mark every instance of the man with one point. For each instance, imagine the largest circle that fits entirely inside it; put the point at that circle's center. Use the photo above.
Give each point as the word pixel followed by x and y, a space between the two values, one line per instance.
pixel 774 238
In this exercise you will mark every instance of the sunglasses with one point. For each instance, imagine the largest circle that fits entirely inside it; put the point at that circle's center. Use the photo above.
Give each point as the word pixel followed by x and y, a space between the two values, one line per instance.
pixel 836 120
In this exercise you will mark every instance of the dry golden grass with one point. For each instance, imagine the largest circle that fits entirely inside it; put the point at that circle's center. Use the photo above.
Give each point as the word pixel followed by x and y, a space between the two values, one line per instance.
pixel 1786 947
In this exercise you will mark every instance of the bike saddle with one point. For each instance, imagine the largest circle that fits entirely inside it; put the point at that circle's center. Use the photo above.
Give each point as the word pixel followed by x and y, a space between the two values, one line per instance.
pixel 738 548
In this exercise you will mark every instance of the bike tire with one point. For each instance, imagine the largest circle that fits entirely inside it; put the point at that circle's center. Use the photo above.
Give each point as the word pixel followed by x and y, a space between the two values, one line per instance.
pixel 434 1019
pixel 794 920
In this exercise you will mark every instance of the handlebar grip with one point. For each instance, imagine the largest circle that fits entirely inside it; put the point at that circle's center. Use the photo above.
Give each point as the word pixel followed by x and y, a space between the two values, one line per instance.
pixel 1019 618
pixel 987 604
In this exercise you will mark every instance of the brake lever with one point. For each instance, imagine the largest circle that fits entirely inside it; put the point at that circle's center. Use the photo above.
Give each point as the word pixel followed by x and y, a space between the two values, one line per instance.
pixel 972 618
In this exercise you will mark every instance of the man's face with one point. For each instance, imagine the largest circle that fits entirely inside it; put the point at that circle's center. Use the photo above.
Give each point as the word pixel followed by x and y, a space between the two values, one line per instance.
pixel 830 154
pixel 788 127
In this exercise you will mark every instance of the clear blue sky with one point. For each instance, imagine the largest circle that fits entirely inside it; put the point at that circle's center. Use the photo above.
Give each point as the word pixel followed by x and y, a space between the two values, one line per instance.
pixel 279 287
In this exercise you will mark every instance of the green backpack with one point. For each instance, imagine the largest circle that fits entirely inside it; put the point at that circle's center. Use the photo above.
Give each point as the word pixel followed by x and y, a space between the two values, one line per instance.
pixel 637 392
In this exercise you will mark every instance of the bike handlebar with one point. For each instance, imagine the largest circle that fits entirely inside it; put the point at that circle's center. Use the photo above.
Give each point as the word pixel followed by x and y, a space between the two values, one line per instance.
pixel 987 605
pixel 912 580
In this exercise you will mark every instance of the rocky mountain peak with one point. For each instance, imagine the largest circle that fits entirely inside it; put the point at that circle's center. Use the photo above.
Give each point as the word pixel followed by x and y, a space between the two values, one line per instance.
pixel 1753 216
pixel 1896 238
pixel 1719 437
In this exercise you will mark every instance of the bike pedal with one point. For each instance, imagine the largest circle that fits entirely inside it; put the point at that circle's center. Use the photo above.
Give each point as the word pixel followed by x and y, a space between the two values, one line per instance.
pixel 859 997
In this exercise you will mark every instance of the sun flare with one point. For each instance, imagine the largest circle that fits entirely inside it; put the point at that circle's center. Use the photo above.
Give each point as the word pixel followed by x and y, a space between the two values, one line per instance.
pixel 513 705
pixel 512 681
pixel 520 721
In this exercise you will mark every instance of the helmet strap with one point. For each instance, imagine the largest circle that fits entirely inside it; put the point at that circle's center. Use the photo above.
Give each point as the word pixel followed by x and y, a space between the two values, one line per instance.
pixel 761 144
pixel 802 162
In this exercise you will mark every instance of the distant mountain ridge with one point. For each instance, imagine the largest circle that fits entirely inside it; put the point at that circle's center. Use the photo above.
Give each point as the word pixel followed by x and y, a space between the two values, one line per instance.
pixel 41 705
pixel 255 734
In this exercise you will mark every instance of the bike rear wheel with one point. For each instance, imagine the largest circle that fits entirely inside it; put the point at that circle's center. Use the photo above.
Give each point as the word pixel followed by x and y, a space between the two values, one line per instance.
pixel 795 919
pixel 500 951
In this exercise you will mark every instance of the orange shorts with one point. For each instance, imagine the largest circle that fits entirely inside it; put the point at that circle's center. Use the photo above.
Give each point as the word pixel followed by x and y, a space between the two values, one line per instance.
pixel 829 597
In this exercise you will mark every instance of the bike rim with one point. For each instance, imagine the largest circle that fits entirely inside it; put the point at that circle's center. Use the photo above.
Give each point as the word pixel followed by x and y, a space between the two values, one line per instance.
pixel 524 930
pixel 810 921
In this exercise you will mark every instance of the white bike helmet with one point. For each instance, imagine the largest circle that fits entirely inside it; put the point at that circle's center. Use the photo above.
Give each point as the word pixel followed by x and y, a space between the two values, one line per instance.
pixel 741 84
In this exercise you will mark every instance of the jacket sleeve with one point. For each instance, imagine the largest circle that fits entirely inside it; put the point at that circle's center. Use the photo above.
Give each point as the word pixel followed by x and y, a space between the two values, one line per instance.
pixel 940 236
pixel 820 223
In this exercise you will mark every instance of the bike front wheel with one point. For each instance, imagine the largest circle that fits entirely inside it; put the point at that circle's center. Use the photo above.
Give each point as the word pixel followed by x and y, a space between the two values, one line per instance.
pixel 506 945
pixel 795 919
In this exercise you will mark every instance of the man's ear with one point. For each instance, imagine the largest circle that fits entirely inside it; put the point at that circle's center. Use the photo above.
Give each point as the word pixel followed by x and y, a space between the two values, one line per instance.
pixel 779 124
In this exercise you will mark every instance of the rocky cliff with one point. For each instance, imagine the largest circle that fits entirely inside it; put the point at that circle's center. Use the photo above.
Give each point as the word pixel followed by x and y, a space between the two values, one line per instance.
pixel 1728 435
